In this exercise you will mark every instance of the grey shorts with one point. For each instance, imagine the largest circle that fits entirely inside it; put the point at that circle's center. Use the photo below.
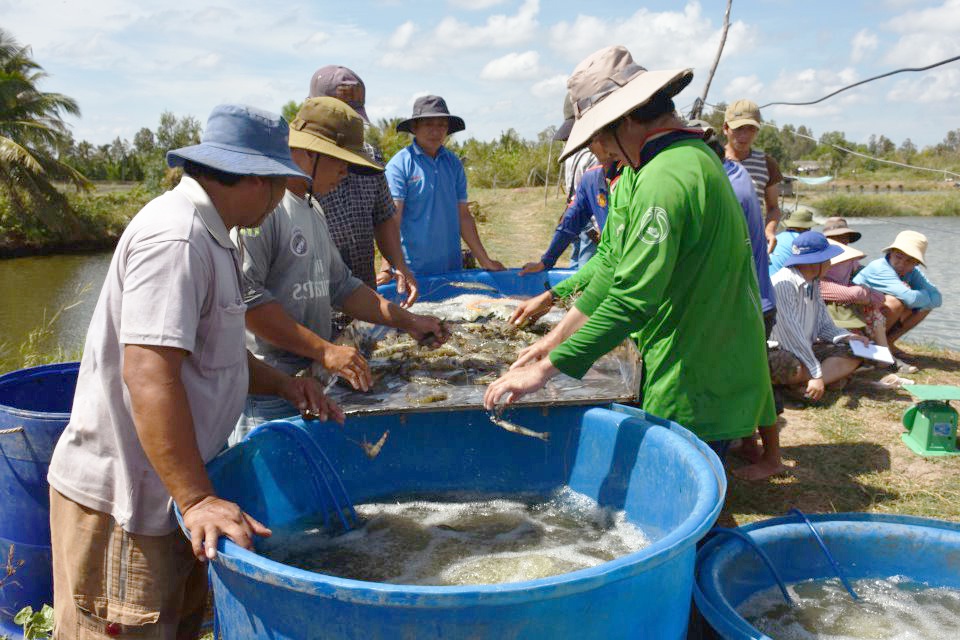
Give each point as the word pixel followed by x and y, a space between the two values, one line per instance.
pixel 784 366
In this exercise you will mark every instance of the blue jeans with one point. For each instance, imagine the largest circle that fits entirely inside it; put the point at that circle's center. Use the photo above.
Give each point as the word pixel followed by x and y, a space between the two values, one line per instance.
pixel 260 409
pixel 583 249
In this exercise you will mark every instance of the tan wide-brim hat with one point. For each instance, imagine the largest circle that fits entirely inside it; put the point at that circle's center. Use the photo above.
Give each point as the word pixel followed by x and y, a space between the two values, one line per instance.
pixel 331 127
pixel 608 85
pixel 912 243
pixel 849 253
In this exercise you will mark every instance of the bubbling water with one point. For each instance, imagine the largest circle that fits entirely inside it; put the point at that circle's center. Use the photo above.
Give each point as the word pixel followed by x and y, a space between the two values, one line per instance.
pixel 460 539
pixel 893 609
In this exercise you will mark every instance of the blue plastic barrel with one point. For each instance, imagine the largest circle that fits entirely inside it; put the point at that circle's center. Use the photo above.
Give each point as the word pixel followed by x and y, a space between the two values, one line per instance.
pixel 668 482
pixel 34 409
pixel 864 545
pixel 508 282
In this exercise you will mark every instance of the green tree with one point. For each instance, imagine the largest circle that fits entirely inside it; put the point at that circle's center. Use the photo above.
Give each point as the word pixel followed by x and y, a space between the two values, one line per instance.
pixel 829 148
pixel 32 131
pixel 384 136
pixel 289 110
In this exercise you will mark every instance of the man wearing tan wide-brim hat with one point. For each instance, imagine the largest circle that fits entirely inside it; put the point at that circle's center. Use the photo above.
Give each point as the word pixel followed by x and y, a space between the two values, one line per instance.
pixel 674 265
pixel 294 276
pixel 909 295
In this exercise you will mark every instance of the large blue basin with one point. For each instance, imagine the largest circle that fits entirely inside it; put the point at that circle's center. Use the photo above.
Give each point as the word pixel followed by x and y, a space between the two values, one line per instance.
pixel 668 482
pixel 864 545
pixel 507 283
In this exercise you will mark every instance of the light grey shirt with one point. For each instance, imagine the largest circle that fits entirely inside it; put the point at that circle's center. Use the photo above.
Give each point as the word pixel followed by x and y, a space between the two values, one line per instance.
pixel 174 281
pixel 291 259
pixel 802 317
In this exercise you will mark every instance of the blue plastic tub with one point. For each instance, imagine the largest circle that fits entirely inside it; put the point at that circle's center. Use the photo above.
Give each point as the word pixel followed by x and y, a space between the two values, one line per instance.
pixel 864 545
pixel 668 482
pixel 509 282
pixel 34 409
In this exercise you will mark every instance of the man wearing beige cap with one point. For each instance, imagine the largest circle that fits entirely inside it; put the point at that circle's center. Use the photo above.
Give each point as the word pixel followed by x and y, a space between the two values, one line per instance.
pixel 294 275
pixel 910 297
pixel 360 209
pixel 741 124
pixel 674 267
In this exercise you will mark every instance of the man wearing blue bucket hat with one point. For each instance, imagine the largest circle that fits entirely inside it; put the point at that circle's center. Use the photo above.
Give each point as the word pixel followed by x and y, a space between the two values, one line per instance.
pixel 803 319
pixel 163 378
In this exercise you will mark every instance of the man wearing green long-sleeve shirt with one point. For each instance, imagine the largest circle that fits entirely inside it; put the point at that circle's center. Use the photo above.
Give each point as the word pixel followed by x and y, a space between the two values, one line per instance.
pixel 675 267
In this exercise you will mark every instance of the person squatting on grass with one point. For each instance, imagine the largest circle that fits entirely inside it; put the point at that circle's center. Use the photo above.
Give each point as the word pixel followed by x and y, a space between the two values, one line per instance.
pixel 162 381
pixel 677 272
pixel 910 296
pixel 809 352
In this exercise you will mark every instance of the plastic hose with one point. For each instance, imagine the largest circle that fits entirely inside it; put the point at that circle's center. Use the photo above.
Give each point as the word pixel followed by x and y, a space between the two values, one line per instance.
pixel 760 552
pixel 826 552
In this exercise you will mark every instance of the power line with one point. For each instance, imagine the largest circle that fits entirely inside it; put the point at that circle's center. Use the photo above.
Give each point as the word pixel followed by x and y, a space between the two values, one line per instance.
pixel 857 84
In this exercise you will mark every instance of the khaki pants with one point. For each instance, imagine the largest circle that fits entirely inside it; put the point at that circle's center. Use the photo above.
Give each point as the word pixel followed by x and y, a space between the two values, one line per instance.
pixel 109 583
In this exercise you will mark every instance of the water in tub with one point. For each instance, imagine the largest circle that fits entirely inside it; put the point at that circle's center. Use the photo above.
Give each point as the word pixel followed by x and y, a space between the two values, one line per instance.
pixel 459 539
pixel 893 609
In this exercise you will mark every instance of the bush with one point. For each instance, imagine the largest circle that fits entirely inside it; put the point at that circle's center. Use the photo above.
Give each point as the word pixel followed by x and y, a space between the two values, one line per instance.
pixel 846 206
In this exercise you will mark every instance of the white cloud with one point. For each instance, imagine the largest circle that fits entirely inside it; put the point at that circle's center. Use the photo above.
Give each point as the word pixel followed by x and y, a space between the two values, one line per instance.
pixel 474 5
pixel 940 86
pixel 657 40
pixel 551 87
pixel 942 19
pixel 513 66
pixel 206 61
pixel 316 39
pixel 742 87
pixel 864 43
pixel 450 36
pixel 402 35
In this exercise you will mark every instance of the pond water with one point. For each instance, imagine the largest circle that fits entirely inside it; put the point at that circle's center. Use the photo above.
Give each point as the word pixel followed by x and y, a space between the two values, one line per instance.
pixel 452 539
pixel 34 289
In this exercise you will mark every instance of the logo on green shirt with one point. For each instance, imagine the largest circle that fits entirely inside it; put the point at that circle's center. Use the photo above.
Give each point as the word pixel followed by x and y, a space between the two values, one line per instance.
pixel 654 225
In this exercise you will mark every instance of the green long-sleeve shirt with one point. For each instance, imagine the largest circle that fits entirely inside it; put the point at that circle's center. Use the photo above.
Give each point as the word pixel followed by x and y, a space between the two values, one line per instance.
pixel 675 269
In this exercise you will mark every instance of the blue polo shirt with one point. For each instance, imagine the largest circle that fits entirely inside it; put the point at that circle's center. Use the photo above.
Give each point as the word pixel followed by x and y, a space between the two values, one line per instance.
pixel 589 203
pixel 782 251
pixel 431 190
pixel 914 290
pixel 750 203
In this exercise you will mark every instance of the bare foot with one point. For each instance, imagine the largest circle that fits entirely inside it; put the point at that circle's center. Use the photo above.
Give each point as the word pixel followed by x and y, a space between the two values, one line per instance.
pixel 749 450
pixel 761 470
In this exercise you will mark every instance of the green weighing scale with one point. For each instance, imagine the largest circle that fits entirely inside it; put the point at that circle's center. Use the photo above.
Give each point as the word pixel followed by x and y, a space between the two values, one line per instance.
pixel 932 421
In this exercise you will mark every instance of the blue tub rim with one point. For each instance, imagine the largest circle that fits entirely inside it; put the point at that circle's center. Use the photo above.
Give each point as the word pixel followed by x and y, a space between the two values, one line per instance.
pixel 30 372
pixel 728 618
pixel 702 517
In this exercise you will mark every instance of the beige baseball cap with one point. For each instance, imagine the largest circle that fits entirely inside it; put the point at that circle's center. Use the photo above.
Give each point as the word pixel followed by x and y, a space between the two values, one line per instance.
pixel 741 113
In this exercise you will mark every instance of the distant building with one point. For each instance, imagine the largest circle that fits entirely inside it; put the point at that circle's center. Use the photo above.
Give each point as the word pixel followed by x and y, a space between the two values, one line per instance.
pixel 807 167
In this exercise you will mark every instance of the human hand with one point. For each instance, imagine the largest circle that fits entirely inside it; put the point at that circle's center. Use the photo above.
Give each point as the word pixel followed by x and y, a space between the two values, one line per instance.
pixel 532 309
pixel 771 242
pixel 306 394
pixel 532 267
pixel 384 276
pixel 213 517
pixel 406 284
pixel 491 265
pixel 815 389
pixel 427 330
pixel 856 337
pixel 535 352
pixel 517 382
pixel 347 362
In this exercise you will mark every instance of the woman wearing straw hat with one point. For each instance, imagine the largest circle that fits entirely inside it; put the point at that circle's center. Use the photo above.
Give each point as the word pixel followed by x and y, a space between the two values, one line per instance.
pixel 674 266
pixel 910 297
pixel 293 274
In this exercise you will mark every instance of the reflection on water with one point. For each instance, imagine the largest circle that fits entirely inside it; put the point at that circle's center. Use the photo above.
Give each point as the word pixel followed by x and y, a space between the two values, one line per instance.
pixel 31 286
pixel 32 290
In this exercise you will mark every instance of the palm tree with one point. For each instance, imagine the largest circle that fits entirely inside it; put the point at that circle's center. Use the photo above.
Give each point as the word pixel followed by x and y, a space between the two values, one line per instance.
pixel 31 130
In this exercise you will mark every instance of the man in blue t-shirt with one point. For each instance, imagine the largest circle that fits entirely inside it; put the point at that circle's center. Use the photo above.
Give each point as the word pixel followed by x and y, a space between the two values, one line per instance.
pixel 910 297
pixel 429 187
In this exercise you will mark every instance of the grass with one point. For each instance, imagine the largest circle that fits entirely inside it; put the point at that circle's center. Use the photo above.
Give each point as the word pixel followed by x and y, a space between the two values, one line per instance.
pixel 886 205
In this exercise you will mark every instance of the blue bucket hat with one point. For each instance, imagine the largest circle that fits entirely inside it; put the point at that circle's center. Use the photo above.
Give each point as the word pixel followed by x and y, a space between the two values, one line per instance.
pixel 244 141
pixel 811 247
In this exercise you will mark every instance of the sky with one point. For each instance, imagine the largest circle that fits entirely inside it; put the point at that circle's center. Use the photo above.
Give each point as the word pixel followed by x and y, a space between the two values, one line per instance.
pixel 499 64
